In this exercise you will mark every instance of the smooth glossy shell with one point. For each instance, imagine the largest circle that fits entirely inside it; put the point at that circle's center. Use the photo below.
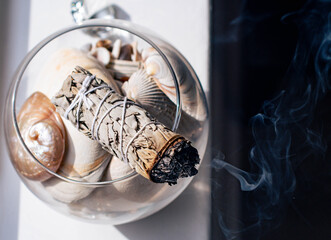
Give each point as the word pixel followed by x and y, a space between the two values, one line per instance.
pixel 43 132
pixel 101 54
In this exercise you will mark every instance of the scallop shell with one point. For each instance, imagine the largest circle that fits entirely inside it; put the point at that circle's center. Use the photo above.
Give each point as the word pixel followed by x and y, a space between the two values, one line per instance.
pixel 43 132
pixel 143 89
pixel 155 66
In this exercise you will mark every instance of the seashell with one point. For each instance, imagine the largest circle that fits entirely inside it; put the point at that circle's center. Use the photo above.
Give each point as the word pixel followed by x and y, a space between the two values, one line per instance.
pixel 85 161
pixel 43 132
pixel 124 195
pixel 136 188
pixel 156 67
pixel 122 69
pixel 136 56
pixel 101 54
pixel 61 64
pixel 106 43
pixel 126 52
pixel 116 49
pixel 143 89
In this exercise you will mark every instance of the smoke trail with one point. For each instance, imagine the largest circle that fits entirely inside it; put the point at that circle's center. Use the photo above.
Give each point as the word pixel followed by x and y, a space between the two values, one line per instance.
pixel 286 133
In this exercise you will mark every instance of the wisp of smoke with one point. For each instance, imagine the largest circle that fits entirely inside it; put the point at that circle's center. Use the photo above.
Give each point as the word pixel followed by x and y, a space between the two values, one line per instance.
pixel 284 134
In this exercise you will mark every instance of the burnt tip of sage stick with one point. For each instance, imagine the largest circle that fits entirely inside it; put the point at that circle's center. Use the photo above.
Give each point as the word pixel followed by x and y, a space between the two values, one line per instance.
pixel 178 161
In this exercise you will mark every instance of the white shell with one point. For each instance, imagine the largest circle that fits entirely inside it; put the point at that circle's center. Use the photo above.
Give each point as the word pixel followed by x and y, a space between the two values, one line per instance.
pixel 137 188
pixel 101 54
pixel 116 49
pixel 84 160
pixel 155 66
pixel 125 195
pixel 136 56
pixel 122 69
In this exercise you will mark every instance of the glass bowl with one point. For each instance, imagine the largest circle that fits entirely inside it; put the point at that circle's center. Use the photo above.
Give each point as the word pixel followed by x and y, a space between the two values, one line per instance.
pixel 127 197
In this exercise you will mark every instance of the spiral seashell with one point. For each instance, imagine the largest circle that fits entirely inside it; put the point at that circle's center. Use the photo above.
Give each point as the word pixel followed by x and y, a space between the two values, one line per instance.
pixel 156 67
pixel 43 132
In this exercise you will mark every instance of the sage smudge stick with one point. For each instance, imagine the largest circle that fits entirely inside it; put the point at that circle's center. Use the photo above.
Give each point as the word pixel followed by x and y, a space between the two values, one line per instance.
pixel 125 129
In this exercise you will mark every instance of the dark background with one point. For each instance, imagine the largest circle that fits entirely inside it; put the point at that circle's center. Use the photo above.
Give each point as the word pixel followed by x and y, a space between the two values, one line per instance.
pixel 251 50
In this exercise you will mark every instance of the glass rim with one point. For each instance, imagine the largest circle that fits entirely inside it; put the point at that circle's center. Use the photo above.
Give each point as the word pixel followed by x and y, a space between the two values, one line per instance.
pixel 106 23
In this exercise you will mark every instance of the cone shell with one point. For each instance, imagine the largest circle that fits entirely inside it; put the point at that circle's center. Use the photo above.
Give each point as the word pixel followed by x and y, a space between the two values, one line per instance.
pixel 43 132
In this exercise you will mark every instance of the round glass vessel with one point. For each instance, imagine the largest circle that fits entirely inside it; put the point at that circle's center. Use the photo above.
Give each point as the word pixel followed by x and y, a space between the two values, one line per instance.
pixel 127 197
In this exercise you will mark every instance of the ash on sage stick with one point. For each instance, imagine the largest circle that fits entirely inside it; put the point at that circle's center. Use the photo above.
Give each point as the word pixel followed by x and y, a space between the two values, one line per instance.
pixel 125 129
